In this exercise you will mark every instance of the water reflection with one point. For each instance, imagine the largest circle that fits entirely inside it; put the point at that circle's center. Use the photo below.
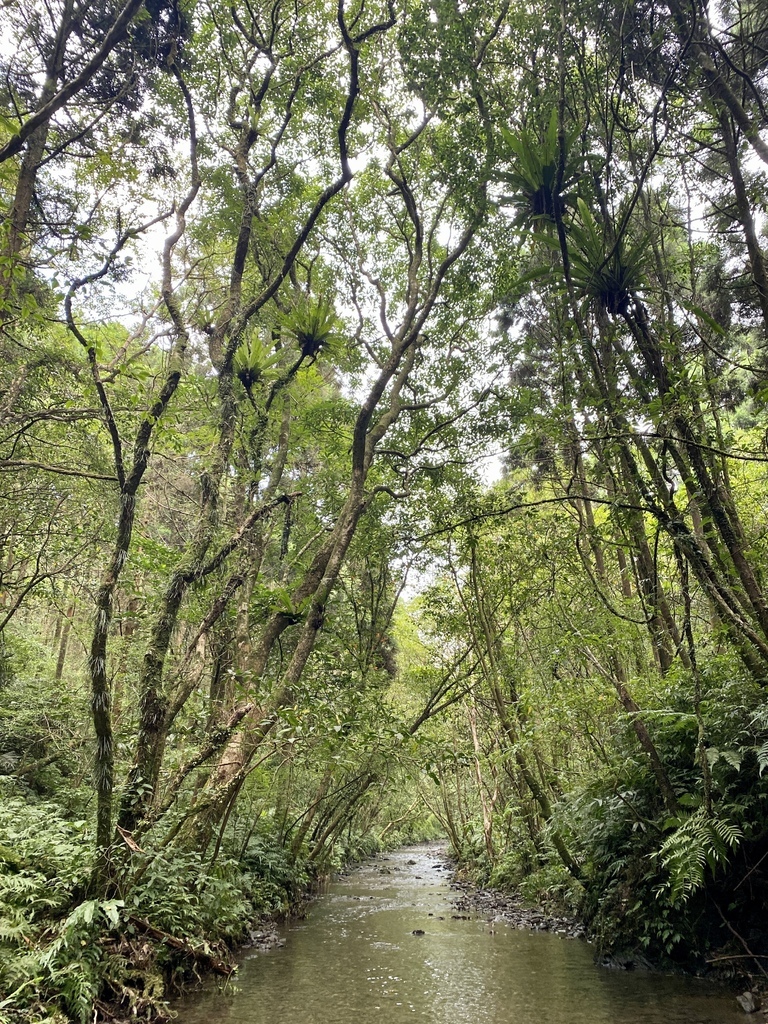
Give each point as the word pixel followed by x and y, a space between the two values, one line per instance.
pixel 355 958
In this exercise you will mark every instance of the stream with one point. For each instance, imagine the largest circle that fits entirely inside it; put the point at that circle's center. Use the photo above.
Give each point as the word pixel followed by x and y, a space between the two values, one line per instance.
pixel 355 958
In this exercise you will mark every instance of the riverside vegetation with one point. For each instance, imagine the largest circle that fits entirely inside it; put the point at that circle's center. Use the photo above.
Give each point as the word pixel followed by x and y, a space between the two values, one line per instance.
pixel 382 454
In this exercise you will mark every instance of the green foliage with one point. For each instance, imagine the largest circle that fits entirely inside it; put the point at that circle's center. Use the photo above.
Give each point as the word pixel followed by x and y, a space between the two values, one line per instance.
pixel 185 895
pixel 46 860
pixel 47 950
pixel 697 843
pixel 314 324
pixel 551 888
pixel 39 734
pixel 605 269
pixel 254 361
pixel 70 969
pixel 275 878
pixel 59 949
pixel 536 174
pixel 621 899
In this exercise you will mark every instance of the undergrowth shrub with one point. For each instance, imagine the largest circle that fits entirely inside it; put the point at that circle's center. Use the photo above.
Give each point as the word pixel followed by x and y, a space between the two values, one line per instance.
pixel 49 952
pixel 616 825
pixel 61 952
pixel 183 896
pixel 276 878
pixel 665 884
pixel 41 733
pixel 45 861
pixel 552 888
pixel 518 857
pixel 69 970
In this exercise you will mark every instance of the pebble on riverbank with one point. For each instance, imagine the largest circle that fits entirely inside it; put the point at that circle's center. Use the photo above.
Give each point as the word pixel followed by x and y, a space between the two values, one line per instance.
pixel 505 908
pixel 265 937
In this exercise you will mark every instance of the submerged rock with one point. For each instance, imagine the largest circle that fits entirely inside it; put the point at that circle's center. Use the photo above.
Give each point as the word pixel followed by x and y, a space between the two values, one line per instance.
pixel 626 962
pixel 264 937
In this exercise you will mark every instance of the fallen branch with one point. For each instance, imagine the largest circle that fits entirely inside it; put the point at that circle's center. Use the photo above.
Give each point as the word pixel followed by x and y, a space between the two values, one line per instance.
pixel 211 962
pixel 736 956
pixel 742 941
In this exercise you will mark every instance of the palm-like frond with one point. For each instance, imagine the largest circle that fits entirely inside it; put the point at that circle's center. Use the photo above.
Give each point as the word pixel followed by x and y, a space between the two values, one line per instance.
pixel 253 361
pixel 534 175
pixel 605 270
pixel 314 324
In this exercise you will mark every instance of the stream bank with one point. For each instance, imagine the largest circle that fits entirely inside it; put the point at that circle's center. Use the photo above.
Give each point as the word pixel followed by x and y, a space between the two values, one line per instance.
pixel 507 908
pixel 499 907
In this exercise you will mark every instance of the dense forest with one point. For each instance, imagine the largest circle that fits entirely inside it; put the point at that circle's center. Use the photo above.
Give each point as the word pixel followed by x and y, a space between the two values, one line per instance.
pixel 383 449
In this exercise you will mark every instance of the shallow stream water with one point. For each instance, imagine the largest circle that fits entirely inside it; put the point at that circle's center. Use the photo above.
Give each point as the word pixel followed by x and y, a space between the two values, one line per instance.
pixel 355 958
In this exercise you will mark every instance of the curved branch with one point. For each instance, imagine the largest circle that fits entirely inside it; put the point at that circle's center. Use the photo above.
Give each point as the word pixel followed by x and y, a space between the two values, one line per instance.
pixel 116 33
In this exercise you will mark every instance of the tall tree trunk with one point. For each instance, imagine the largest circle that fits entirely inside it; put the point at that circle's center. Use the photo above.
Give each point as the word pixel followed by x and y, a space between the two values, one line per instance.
pixel 754 249
pixel 64 642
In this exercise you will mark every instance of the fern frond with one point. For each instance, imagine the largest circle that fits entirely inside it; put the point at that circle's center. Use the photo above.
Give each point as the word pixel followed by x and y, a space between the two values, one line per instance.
pixel 699 842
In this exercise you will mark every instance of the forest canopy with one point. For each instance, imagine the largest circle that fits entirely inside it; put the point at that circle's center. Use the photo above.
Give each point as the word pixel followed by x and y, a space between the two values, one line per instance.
pixel 382 454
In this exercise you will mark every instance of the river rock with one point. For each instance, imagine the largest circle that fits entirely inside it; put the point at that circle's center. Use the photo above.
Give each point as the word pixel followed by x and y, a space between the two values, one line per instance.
pixel 748 1002
pixel 265 937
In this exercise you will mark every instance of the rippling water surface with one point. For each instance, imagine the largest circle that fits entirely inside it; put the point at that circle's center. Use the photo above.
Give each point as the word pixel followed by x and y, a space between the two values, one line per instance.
pixel 355 959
